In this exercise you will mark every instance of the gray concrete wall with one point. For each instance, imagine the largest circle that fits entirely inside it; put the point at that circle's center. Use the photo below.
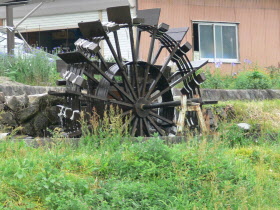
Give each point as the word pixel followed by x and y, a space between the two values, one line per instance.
pixel 207 94
pixel 226 95
pixel 16 90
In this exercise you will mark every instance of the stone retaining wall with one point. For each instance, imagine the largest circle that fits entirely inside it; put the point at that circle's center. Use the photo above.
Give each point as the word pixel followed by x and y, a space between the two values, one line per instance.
pixel 16 90
pixel 207 94
pixel 226 95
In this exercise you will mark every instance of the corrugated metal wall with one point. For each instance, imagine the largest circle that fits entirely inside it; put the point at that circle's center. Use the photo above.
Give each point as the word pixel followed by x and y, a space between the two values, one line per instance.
pixel 64 21
pixel 54 22
pixel 259 28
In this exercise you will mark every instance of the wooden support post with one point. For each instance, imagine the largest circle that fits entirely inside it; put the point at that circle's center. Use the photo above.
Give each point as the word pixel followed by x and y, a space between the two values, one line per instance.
pixel 10 33
pixel 182 114
pixel 193 107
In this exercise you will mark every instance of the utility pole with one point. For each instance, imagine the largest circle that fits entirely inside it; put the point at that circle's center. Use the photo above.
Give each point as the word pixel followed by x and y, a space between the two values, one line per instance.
pixel 10 31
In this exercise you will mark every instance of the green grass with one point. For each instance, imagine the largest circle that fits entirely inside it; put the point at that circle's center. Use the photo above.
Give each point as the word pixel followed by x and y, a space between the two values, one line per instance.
pixel 35 68
pixel 149 175
pixel 264 114
pixel 231 169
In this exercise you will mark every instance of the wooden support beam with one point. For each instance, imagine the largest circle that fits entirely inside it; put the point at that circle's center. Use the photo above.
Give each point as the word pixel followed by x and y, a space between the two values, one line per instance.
pixel 10 34
pixel 193 107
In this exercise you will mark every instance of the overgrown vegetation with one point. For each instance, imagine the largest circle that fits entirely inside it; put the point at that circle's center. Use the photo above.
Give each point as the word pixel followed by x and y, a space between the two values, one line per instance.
pixel 251 76
pixel 106 170
pixel 34 68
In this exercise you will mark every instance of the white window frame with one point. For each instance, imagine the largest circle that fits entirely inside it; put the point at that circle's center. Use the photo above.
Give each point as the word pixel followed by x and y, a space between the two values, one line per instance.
pixel 214 31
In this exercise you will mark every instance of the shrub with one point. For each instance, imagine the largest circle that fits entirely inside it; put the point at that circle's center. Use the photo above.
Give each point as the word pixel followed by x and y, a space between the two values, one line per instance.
pixel 251 76
pixel 216 80
pixel 253 80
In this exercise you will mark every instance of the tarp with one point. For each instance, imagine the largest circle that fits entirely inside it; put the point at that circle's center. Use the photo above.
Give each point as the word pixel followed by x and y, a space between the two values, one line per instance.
pixel 19 44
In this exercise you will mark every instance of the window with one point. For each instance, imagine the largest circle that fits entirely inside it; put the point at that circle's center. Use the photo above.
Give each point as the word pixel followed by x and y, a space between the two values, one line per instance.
pixel 216 41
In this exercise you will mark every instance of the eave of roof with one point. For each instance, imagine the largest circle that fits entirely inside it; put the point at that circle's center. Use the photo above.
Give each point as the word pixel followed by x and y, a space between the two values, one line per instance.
pixel 62 7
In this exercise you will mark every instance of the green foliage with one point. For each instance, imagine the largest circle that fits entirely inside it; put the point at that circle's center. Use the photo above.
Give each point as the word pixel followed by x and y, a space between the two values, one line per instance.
pixel 216 80
pixel 35 68
pixel 253 80
pixel 274 74
pixel 250 77
pixel 232 170
pixel 140 175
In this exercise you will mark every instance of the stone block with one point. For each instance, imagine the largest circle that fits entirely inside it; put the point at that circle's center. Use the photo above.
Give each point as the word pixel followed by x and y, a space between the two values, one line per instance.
pixel 27 113
pixel 2 97
pixel 8 119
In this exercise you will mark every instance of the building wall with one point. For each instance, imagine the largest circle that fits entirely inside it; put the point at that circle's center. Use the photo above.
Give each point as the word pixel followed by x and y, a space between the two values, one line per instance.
pixel 1 22
pixel 259 28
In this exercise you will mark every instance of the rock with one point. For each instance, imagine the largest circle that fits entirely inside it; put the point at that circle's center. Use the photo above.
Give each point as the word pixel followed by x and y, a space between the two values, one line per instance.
pixel 13 103
pixel 2 107
pixel 16 103
pixel 3 135
pixel 52 115
pixel 211 120
pixel 28 128
pixel 33 98
pixel 244 126
pixel 27 113
pixel 47 101
pixel 2 97
pixel 8 119
pixel 41 122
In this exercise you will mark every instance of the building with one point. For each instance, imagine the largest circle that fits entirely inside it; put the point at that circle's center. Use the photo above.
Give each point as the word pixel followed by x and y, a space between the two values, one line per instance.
pixel 227 31
pixel 222 31
pixel 55 23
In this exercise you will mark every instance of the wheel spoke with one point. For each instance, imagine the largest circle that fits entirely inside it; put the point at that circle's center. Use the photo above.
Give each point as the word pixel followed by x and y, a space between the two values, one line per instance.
pixel 147 70
pixel 117 45
pixel 134 59
pixel 147 126
pixel 162 118
pixel 157 55
pixel 171 85
pixel 113 101
pixel 126 113
pixel 114 83
pixel 162 70
pixel 102 60
pixel 134 127
pixel 161 132
pixel 121 66
pixel 128 122
pixel 138 42
pixel 141 127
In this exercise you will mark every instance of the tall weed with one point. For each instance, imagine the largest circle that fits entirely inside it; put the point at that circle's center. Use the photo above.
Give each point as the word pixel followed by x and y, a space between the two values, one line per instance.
pixel 35 68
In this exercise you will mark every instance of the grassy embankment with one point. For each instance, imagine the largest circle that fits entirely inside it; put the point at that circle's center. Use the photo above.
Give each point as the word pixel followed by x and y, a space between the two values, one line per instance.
pixel 232 170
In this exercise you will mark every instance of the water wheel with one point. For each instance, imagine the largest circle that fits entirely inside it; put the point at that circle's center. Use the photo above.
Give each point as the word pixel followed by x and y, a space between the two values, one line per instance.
pixel 142 89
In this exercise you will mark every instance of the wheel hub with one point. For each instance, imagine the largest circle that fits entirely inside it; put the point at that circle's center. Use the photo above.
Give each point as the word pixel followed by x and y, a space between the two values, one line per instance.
pixel 138 107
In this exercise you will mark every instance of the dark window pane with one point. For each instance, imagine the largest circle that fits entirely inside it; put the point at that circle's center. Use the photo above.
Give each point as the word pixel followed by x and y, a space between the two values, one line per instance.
pixel 195 37
pixel 206 41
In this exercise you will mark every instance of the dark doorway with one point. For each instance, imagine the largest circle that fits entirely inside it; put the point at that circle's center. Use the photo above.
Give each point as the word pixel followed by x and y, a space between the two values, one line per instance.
pixel 49 40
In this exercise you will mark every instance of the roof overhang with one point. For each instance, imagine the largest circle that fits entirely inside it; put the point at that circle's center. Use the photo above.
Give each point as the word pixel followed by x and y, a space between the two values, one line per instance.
pixel 19 2
pixel 62 7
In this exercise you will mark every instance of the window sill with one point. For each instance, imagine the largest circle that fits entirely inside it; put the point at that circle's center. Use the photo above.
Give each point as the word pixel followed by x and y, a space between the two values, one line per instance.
pixel 224 61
